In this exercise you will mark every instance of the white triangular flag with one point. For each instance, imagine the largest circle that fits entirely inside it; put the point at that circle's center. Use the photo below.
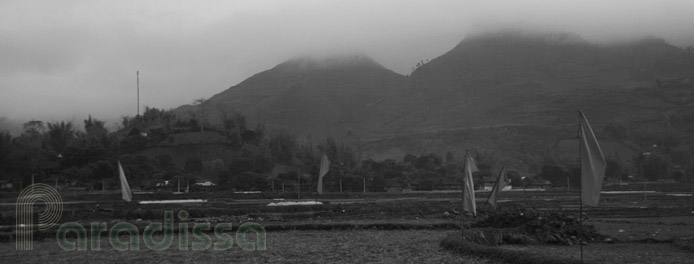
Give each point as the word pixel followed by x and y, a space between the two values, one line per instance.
pixel 125 188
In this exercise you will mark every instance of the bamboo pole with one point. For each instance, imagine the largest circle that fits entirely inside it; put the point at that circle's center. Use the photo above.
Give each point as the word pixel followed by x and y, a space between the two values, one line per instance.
pixel 462 200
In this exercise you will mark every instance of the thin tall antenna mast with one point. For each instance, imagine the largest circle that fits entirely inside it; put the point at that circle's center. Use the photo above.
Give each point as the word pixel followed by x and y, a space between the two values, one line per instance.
pixel 138 94
pixel 580 192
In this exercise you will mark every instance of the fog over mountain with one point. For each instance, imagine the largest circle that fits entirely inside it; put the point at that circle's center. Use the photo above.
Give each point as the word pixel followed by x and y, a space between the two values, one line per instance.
pixel 65 60
pixel 514 94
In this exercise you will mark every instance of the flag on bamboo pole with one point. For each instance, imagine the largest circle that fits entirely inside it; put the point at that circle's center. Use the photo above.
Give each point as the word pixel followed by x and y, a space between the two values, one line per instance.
pixel 592 163
pixel 324 168
pixel 498 186
pixel 125 188
pixel 469 186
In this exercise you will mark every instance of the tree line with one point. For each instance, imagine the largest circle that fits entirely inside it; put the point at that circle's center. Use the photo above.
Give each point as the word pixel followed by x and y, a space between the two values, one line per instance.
pixel 252 158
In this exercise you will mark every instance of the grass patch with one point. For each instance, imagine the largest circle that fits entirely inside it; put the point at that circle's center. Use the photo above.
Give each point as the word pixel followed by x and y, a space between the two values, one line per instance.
pixel 454 243
pixel 631 253
pixel 684 243
pixel 663 229
pixel 361 246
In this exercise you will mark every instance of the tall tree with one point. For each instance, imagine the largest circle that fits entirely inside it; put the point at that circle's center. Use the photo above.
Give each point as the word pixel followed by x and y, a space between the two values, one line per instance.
pixel 60 135
pixel 5 150
pixel 94 128
pixel 33 128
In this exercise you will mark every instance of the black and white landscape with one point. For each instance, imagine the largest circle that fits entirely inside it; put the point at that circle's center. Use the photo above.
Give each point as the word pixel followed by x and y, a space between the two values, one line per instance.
pixel 347 131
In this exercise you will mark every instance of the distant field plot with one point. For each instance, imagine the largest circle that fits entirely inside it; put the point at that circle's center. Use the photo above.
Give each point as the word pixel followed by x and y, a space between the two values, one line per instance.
pixel 652 228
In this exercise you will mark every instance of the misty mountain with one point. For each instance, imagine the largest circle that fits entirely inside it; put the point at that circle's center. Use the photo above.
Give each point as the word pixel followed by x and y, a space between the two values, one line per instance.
pixel 516 96
pixel 512 94
pixel 320 97
pixel 513 78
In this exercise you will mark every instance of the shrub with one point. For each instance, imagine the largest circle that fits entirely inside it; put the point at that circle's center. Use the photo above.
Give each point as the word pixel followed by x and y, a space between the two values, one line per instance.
pixel 554 228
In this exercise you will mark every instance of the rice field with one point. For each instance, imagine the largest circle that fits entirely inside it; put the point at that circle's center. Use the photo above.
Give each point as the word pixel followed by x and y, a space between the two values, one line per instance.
pixel 388 228
pixel 359 246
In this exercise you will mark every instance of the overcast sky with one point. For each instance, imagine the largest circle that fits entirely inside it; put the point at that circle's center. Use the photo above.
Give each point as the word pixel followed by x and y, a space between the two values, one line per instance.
pixel 62 60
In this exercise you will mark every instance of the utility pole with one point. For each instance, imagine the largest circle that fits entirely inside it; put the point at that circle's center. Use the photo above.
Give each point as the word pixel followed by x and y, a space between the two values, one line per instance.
pixel 568 182
pixel 298 184
pixel 202 113
pixel 364 182
pixel 138 95
pixel 644 189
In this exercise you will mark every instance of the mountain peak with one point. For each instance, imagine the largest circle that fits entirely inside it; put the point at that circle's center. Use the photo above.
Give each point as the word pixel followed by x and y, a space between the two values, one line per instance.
pixel 329 62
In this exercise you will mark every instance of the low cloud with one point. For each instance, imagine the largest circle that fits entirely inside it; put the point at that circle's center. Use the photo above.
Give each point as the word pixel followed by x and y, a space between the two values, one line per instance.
pixel 69 59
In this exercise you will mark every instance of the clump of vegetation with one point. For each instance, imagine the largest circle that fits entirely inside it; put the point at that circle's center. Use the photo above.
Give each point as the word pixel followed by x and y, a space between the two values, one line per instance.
pixel 550 228
pixel 507 218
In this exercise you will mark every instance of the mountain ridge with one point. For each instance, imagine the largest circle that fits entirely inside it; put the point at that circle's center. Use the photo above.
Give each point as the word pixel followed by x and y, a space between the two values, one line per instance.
pixel 495 80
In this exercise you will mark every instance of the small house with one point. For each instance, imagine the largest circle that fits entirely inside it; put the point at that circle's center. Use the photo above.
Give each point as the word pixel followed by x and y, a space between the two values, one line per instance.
pixel 538 184
pixel 487 183
pixel 204 183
